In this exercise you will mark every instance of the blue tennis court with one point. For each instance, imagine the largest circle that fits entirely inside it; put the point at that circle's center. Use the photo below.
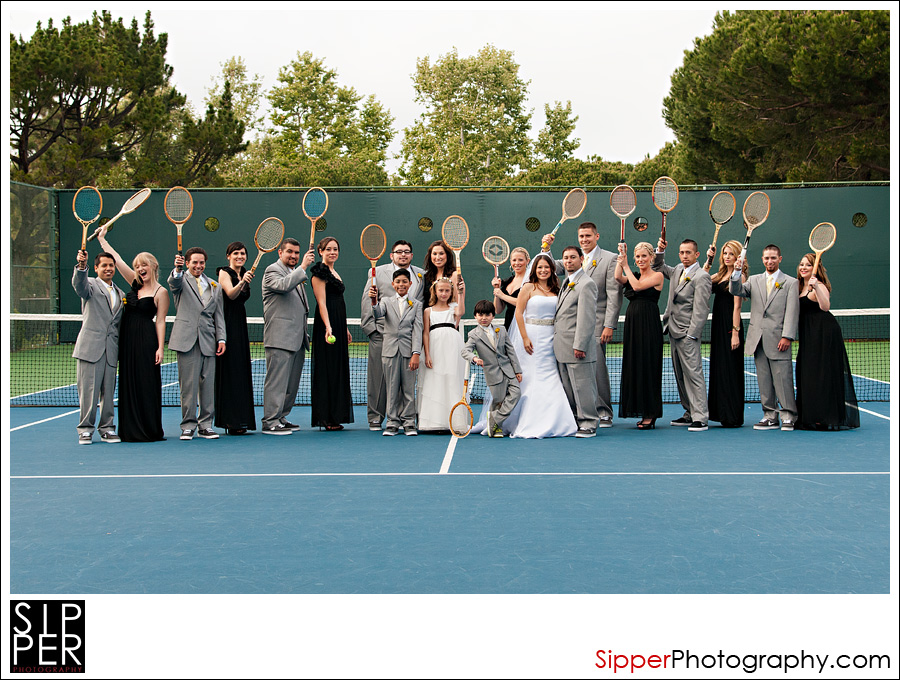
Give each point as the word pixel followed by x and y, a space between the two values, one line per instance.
pixel 664 511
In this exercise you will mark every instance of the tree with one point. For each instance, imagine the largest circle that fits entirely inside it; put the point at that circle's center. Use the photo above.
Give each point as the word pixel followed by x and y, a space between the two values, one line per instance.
pixel 553 143
pixel 246 93
pixel 474 129
pixel 322 134
pixel 84 95
pixel 785 96
pixel 668 162
pixel 574 172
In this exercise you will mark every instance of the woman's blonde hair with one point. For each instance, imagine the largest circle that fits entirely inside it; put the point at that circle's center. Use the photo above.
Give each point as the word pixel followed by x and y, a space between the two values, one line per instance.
pixel 150 261
pixel 433 294
pixel 643 245
pixel 736 248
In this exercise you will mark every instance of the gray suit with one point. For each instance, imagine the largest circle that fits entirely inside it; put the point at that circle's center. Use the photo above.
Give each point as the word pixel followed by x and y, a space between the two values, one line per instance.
pixel 686 313
pixel 285 311
pixel 602 270
pixel 198 329
pixel 576 320
pixel 500 368
pixel 376 386
pixel 402 338
pixel 772 317
pixel 97 351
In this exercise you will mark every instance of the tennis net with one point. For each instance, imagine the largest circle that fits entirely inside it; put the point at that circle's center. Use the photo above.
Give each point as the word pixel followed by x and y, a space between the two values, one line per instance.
pixel 42 370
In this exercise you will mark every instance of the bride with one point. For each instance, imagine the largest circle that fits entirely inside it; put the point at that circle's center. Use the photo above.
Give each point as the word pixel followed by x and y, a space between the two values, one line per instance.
pixel 543 410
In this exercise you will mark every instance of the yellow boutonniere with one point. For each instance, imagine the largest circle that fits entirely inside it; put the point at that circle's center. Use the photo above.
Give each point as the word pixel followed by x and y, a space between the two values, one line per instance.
pixel 213 284
pixel 687 278
pixel 124 301
pixel 419 274
pixel 497 330
pixel 409 302
pixel 571 285
pixel 778 284
pixel 593 263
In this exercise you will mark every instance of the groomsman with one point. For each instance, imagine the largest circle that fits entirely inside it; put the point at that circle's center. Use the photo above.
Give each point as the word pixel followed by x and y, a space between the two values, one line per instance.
pixel 198 336
pixel 573 341
pixel 97 346
pixel 686 313
pixel 285 310
pixel 376 385
pixel 774 317
pixel 600 265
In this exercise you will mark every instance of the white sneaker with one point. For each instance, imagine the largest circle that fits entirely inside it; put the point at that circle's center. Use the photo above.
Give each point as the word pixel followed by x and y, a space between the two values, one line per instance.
pixel 86 438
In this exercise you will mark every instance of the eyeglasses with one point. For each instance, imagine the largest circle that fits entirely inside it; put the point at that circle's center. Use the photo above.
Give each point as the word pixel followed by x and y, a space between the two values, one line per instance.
pixel 402 252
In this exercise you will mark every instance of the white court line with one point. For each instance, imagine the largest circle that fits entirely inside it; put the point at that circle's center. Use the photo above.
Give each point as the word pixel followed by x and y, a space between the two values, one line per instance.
pixel 873 413
pixel 448 456
pixel 45 420
pixel 457 474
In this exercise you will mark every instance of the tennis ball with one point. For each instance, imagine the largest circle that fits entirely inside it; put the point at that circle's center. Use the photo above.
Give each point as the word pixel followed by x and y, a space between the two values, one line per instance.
pixel 330 339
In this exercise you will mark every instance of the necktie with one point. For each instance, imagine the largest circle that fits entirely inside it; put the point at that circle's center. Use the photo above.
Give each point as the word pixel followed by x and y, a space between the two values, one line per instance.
pixel 112 297
pixel 768 285
pixel 200 285
pixel 491 336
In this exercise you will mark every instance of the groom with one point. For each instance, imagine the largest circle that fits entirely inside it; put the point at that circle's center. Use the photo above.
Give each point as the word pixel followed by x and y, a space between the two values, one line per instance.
pixel 573 342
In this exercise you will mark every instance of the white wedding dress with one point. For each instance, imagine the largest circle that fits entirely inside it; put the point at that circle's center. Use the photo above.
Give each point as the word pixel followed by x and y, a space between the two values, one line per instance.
pixel 442 386
pixel 543 410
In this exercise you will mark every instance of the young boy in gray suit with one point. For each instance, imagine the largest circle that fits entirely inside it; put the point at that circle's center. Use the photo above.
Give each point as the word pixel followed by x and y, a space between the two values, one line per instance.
pixel 500 363
pixel 402 345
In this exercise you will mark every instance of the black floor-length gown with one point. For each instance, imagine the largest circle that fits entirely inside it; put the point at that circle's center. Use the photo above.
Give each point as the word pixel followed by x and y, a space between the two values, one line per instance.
pixel 332 402
pixel 140 379
pixel 726 365
pixel 642 355
pixel 510 311
pixel 234 380
pixel 826 398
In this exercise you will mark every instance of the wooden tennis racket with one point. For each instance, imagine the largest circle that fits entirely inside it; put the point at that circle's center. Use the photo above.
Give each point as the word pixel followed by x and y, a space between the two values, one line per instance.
pixel 756 211
pixel 86 207
pixel 315 204
pixel 572 206
pixel 721 210
pixel 372 243
pixel 455 233
pixel 622 201
pixel 461 417
pixel 178 206
pixel 665 198
pixel 495 250
pixel 267 238
pixel 821 238
pixel 130 206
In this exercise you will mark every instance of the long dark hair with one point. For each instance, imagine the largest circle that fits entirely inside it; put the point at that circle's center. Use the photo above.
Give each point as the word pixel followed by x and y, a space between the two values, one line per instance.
pixel 431 269
pixel 553 281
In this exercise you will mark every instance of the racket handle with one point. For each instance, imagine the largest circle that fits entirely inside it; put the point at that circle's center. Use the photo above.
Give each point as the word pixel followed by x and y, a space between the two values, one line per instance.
pixel 374 301
pixel 709 259
pixel 256 262
pixel 546 246
pixel 496 272
pixel 663 234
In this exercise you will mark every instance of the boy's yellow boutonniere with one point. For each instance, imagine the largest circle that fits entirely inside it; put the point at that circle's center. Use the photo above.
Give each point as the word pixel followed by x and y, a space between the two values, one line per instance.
pixel 497 331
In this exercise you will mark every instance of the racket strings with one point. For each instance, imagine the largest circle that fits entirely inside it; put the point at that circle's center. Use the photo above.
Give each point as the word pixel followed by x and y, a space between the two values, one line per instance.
pixel 495 250
pixel 822 236
pixel 665 196
pixel 87 204
pixel 461 419
pixel 455 232
pixel 315 202
pixel 574 203
pixel 622 202
pixel 756 209
pixel 372 241
pixel 136 200
pixel 269 234
pixel 722 208
pixel 179 205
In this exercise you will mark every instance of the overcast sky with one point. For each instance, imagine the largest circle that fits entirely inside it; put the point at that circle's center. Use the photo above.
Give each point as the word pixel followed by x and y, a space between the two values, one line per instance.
pixel 614 66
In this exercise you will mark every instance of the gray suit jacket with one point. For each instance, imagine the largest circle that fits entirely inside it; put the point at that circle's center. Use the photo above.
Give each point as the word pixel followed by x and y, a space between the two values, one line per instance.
pixel 576 319
pixel 688 306
pixel 383 274
pixel 285 307
pixel 196 320
pixel 610 292
pixel 402 332
pixel 772 317
pixel 500 363
pixel 100 325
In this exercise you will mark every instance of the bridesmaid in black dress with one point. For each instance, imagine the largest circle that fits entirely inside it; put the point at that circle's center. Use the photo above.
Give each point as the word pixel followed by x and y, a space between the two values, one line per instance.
pixel 642 347
pixel 506 292
pixel 726 352
pixel 234 380
pixel 826 397
pixel 141 342
pixel 332 402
